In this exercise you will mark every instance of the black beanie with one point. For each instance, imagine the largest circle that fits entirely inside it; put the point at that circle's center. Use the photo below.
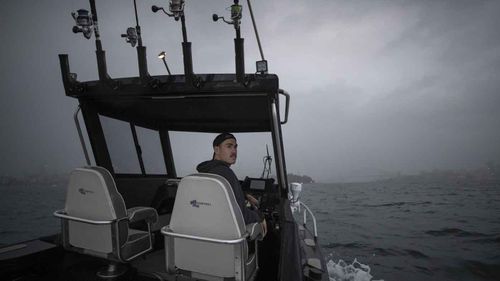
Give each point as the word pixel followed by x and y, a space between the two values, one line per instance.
pixel 221 138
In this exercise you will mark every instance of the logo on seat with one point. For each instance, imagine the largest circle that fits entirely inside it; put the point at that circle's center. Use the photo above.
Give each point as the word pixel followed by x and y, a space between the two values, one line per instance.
pixel 84 191
pixel 197 204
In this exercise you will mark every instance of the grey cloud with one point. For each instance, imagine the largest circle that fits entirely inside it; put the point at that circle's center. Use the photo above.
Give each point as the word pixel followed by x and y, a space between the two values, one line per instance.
pixel 377 86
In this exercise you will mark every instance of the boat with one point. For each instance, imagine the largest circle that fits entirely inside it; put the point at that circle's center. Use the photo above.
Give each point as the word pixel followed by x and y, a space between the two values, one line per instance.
pixel 150 224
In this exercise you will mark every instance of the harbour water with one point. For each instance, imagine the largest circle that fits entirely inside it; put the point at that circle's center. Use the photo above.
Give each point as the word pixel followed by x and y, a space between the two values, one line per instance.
pixel 409 231
pixel 26 211
pixel 400 231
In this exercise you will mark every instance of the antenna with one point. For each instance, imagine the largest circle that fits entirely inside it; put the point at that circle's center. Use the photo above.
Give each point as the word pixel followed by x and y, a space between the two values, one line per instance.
pixel 262 64
pixel 267 164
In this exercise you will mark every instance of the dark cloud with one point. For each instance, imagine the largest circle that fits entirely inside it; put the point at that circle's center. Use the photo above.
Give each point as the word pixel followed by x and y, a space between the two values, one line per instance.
pixel 377 86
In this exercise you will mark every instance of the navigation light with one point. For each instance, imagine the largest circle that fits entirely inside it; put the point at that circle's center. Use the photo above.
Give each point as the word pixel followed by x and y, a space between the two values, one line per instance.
pixel 162 56
pixel 261 66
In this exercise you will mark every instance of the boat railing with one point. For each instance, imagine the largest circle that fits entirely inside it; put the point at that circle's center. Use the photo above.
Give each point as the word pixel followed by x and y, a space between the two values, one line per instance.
pixel 167 231
pixel 62 215
pixel 80 134
pixel 304 222
pixel 295 204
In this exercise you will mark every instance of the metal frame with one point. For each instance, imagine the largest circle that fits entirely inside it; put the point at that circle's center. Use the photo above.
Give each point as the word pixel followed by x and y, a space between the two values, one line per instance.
pixel 278 149
pixel 168 156
pixel 114 232
pixel 240 263
pixel 138 149
pixel 82 141
pixel 287 104
pixel 96 136
pixel 313 219
pixel 167 231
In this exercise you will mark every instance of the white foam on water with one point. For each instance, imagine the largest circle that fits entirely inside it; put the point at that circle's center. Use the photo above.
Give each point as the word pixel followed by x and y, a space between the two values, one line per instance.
pixel 341 271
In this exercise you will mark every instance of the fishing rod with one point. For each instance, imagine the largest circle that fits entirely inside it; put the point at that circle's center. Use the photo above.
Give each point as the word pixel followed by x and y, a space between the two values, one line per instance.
pixel 85 23
pixel 236 14
pixel 176 8
pixel 133 36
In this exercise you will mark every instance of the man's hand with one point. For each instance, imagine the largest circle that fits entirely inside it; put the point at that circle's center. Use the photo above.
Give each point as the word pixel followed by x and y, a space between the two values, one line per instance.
pixel 252 200
pixel 264 228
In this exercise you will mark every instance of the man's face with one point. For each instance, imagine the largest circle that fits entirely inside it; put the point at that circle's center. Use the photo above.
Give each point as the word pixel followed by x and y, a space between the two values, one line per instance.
pixel 226 151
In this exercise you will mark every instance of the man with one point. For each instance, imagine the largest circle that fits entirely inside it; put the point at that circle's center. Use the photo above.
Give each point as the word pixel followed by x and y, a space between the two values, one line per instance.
pixel 225 153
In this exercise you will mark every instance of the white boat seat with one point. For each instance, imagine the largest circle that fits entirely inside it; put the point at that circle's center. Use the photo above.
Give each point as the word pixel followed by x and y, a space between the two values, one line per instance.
pixel 95 220
pixel 207 235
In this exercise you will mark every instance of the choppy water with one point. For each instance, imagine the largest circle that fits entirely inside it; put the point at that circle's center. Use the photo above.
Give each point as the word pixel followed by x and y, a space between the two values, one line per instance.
pixel 401 232
pixel 26 211
pixel 409 232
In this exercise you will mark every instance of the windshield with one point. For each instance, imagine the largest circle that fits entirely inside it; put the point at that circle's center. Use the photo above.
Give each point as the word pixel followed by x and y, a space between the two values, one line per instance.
pixel 123 152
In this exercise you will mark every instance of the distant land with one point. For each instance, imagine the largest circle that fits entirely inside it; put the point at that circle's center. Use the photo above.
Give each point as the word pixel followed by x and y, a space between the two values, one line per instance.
pixel 489 174
pixel 63 179
pixel 298 178
pixel 35 179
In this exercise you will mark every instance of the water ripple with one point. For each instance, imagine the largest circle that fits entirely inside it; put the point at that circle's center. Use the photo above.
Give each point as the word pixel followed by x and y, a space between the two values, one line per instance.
pixel 491 240
pixel 456 232
pixel 398 204
pixel 484 270
pixel 346 245
pixel 400 252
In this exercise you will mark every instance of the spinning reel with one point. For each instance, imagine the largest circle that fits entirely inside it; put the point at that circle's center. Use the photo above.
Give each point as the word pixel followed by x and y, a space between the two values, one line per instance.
pixel 84 23
pixel 131 36
pixel 236 10
pixel 176 8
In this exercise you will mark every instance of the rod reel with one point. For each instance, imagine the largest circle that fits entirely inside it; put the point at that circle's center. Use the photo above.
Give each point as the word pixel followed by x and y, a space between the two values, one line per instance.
pixel 176 8
pixel 86 23
pixel 236 14
pixel 131 36
pixel 83 23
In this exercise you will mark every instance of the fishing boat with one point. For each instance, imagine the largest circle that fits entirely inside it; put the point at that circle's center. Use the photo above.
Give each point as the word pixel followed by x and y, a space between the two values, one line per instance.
pixel 155 224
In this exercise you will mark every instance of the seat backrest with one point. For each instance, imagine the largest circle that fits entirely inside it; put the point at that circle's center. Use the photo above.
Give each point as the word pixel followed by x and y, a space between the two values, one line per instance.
pixel 92 195
pixel 205 206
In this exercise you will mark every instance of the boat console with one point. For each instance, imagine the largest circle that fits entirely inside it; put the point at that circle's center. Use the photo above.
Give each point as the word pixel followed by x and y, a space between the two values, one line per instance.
pixel 266 192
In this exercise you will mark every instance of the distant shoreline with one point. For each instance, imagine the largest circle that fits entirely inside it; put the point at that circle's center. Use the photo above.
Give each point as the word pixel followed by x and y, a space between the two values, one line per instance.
pixel 486 175
pixel 34 179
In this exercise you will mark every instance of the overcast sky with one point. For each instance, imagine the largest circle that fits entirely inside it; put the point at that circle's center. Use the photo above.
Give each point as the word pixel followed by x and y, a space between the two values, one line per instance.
pixel 377 86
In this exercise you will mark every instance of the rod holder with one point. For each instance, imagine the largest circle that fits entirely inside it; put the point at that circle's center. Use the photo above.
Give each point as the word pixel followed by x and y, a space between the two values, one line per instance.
pixel 142 62
pixel 239 59
pixel 188 61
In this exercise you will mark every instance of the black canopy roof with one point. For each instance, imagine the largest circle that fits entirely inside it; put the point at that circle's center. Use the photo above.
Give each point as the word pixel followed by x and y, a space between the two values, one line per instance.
pixel 216 104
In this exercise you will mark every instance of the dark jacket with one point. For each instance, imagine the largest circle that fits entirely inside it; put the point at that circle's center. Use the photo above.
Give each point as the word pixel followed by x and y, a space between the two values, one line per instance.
pixel 221 168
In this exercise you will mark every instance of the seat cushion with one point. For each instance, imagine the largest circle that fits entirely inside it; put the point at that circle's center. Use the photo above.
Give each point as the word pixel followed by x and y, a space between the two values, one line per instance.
pixel 137 242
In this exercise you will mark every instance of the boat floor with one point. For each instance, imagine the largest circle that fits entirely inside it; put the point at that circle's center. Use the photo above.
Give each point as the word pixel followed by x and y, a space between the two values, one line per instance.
pixel 46 260
pixel 152 265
